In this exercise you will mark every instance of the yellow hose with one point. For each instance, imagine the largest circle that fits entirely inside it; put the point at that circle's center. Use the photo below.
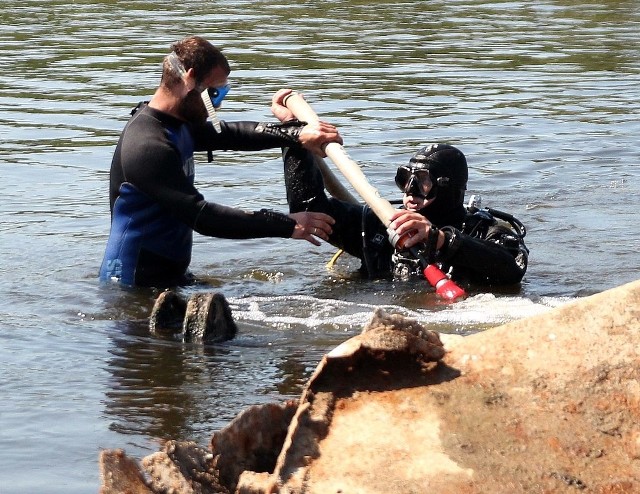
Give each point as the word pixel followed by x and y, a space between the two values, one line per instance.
pixel 334 258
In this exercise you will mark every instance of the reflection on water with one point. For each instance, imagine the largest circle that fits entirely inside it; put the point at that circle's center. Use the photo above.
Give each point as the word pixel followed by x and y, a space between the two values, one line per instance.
pixel 154 387
pixel 167 390
pixel 146 392
pixel 542 97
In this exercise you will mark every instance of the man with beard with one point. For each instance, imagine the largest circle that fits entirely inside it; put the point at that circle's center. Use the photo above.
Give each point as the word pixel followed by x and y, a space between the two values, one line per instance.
pixel 478 246
pixel 155 206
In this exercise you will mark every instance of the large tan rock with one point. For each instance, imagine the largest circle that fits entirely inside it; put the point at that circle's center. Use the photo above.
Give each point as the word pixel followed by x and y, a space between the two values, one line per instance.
pixel 546 404
pixel 543 405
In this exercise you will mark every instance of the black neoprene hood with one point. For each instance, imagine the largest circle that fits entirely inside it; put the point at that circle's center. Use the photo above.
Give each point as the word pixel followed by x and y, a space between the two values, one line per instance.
pixel 443 161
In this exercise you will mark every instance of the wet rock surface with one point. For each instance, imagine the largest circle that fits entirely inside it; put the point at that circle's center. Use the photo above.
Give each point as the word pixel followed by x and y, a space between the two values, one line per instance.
pixel 203 318
pixel 550 404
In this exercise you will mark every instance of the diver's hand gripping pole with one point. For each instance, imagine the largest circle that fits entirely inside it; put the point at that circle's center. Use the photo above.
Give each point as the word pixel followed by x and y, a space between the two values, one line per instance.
pixel 382 208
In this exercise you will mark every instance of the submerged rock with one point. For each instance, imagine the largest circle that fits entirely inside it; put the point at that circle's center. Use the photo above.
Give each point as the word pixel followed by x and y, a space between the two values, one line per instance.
pixel 205 317
pixel 545 404
pixel 167 315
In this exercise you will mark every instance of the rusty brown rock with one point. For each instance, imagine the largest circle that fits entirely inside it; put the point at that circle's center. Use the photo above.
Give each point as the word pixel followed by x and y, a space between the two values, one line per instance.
pixel 546 404
pixel 549 404
pixel 120 474
pixel 183 468
pixel 252 441
pixel 342 402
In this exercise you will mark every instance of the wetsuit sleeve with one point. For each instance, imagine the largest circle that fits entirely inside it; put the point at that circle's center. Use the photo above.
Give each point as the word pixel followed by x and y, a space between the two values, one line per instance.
pixel 487 260
pixel 226 222
pixel 157 172
pixel 247 136
pixel 305 192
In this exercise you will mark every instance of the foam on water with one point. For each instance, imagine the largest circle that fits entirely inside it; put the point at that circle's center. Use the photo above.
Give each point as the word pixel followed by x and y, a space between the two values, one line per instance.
pixel 310 312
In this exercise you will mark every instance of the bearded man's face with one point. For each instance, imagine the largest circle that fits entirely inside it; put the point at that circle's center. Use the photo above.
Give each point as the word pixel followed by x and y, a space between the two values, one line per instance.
pixel 192 108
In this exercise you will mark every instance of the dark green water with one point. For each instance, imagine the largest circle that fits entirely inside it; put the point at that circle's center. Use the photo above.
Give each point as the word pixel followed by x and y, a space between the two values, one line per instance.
pixel 543 99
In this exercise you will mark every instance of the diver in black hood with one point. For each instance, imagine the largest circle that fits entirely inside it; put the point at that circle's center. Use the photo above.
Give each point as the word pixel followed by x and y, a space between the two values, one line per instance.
pixel 475 245
pixel 434 183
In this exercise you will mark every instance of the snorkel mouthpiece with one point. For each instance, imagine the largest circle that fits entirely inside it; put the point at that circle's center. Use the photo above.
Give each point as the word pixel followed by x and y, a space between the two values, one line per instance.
pixel 211 111
pixel 212 98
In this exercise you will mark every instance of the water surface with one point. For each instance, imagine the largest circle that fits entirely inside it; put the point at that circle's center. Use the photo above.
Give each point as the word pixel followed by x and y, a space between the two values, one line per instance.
pixel 543 100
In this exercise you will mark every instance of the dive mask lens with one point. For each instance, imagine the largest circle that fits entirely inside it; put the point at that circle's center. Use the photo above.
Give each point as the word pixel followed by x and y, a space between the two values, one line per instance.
pixel 413 181
pixel 403 175
pixel 424 179
pixel 217 94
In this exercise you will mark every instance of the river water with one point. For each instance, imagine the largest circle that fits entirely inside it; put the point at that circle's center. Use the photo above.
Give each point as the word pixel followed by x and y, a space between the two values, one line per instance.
pixel 543 98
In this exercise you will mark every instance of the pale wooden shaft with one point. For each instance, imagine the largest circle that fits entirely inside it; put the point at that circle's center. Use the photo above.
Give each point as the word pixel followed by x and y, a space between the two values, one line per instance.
pixel 349 168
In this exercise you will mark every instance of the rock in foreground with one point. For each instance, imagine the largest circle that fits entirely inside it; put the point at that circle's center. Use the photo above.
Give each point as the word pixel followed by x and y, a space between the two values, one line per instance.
pixel 545 404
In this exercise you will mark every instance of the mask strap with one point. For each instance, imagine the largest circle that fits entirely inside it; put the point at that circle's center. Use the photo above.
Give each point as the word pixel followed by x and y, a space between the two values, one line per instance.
pixel 176 64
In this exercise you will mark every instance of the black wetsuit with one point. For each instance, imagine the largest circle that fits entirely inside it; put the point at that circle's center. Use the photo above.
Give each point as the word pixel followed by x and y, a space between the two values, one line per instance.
pixel 155 206
pixel 480 246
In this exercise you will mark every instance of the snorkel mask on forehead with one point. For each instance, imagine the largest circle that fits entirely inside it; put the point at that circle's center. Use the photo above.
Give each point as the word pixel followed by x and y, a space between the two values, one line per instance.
pixel 211 97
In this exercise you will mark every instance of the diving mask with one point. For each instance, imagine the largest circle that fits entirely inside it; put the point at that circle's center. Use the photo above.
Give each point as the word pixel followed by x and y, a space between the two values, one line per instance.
pixel 414 181
pixel 217 94
pixel 212 98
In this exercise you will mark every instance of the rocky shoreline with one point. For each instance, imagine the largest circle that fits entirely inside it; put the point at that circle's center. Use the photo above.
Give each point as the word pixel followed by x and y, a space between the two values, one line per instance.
pixel 545 404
